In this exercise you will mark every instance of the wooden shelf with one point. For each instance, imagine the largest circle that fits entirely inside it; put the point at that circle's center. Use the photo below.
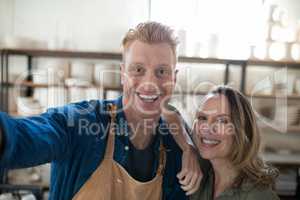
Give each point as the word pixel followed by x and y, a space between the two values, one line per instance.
pixel 63 53
pixel 290 129
pixel 284 159
pixel 294 96
pixel 249 62
pixel 39 85
pixel 118 56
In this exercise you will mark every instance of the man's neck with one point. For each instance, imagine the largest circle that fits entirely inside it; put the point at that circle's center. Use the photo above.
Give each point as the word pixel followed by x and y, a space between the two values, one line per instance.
pixel 142 129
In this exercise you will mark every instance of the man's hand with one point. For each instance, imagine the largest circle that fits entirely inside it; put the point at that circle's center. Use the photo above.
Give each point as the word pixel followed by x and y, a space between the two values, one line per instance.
pixel 190 175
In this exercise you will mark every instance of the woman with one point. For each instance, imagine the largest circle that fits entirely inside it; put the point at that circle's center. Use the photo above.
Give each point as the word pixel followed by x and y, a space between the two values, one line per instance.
pixel 225 133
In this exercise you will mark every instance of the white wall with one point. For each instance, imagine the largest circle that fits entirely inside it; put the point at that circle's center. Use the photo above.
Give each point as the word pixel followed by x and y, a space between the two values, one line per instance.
pixel 96 25
pixel 87 25
pixel 6 17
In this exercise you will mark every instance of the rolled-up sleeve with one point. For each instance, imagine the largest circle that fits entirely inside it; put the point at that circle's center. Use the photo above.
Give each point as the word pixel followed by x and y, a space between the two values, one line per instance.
pixel 34 140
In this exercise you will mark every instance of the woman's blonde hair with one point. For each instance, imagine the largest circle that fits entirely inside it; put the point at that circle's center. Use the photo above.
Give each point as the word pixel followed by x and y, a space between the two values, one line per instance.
pixel 245 150
pixel 151 33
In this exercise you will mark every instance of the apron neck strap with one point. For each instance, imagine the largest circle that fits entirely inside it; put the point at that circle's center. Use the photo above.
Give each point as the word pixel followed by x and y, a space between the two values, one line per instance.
pixel 109 153
pixel 162 158
pixel 110 147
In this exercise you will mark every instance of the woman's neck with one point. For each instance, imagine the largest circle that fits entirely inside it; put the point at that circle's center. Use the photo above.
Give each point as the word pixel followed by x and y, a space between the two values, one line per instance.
pixel 225 174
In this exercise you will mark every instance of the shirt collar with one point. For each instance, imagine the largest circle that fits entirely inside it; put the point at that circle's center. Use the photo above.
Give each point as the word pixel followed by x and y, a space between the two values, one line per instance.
pixel 123 129
pixel 245 187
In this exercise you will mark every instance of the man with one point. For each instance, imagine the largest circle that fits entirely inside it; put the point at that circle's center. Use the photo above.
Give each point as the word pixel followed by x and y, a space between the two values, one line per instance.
pixel 90 163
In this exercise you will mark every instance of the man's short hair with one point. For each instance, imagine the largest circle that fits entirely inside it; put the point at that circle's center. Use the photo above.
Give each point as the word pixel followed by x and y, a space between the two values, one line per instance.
pixel 151 33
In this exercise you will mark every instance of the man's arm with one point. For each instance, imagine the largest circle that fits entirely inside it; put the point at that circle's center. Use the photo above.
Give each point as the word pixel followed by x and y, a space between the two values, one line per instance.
pixel 31 141
pixel 177 127
pixel 1 142
pixel 190 175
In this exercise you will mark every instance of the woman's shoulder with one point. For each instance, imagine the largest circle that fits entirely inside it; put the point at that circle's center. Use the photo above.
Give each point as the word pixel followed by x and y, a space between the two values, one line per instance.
pixel 259 192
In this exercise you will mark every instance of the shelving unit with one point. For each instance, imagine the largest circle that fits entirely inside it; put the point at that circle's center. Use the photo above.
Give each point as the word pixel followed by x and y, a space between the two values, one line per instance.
pixel 39 85
pixel 31 54
pixel 281 159
pixel 34 53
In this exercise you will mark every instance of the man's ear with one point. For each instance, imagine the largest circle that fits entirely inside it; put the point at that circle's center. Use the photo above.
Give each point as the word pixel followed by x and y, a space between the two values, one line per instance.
pixel 122 69
pixel 175 78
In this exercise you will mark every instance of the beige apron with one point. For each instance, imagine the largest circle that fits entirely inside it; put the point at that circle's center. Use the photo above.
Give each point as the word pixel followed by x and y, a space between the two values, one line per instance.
pixel 111 181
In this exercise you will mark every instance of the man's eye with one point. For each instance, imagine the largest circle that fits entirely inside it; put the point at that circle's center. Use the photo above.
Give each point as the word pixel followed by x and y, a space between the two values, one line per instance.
pixel 163 72
pixel 137 70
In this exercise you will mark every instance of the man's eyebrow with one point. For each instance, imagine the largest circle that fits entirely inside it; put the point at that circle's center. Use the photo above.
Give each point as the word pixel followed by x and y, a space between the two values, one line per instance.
pixel 164 65
pixel 136 63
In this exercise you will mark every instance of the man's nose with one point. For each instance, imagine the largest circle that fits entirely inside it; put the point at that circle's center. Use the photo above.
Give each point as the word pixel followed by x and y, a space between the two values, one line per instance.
pixel 150 83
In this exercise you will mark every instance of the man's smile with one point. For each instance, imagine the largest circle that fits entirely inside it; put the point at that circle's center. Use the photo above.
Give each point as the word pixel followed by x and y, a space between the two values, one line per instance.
pixel 148 98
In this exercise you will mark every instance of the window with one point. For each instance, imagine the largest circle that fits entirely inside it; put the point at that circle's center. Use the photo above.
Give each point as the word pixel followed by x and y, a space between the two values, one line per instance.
pixel 212 27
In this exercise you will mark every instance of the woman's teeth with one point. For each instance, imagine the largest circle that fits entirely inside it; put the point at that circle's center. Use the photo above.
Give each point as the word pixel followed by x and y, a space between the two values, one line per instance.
pixel 148 98
pixel 210 141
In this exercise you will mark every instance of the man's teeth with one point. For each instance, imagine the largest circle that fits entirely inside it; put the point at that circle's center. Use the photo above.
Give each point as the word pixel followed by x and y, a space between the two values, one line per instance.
pixel 209 141
pixel 148 98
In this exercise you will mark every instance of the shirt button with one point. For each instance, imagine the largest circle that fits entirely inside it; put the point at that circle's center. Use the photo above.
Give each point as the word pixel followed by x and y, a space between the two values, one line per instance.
pixel 126 148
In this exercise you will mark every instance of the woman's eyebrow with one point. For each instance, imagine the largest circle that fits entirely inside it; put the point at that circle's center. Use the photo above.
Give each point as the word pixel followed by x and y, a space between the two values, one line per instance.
pixel 201 113
pixel 223 115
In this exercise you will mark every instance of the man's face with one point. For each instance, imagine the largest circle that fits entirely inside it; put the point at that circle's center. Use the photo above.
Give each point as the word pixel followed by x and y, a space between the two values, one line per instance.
pixel 148 78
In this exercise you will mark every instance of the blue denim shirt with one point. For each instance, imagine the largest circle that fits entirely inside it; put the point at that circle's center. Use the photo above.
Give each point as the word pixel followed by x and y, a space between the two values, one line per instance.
pixel 73 138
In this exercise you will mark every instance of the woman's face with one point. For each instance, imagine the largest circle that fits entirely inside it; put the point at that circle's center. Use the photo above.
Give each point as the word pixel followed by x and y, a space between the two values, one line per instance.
pixel 213 128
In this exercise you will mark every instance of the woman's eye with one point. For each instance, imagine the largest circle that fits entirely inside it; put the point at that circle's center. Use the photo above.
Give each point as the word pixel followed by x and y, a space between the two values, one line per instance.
pixel 222 121
pixel 201 118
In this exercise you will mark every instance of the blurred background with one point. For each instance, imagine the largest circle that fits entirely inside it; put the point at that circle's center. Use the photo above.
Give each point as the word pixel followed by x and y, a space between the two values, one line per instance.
pixel 62 51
